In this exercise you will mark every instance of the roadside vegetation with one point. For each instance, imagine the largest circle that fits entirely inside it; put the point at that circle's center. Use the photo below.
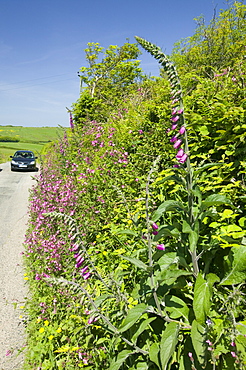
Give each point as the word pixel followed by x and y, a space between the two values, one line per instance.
pixel 136 245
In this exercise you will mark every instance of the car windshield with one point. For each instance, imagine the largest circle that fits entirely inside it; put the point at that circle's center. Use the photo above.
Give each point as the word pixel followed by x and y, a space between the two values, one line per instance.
pixel 24 154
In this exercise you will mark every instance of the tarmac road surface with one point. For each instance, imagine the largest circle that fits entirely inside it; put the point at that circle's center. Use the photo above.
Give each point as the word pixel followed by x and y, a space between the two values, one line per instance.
pixel 14 195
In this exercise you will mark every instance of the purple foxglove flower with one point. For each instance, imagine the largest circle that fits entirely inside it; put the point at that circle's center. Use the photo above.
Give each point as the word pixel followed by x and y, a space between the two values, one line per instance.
pixel 161 247
pixel 182 130
pixel 154 226
pixel 86 276
pixel 177 144
pixel 177 93
pixel 173 139
pixel 175 119
pixel 174 111
pixel 175 100
pixel 79 261
pixel 168 130
pixel 155 232
pixel 183 158
pixel 176 166
pixel 84 269
pixel 180 153
pixel 180 111
pixel 174 126
pixel 92 319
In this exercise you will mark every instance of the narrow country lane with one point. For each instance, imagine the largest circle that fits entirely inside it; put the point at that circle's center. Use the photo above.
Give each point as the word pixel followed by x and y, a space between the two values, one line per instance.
pixel 14 194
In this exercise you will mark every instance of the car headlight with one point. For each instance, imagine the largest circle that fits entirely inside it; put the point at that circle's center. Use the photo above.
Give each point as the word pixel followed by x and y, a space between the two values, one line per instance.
pixel 32 162
pixel 14 162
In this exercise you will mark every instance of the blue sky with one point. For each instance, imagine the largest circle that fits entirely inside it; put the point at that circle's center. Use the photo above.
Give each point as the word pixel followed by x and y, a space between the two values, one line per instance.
pixel 42 46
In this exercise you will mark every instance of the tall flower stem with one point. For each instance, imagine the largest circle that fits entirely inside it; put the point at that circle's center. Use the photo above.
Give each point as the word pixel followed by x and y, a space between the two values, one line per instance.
pixel 189 186
pixel 149 241
pixel 177 119
pixel 111 327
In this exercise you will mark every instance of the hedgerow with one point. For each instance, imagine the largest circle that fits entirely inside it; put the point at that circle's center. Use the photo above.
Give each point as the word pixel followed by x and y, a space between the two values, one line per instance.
pixel 135 251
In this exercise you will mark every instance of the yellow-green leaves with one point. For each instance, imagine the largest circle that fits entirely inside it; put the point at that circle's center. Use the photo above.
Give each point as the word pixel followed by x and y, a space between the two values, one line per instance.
pixel 237 271
pixel 215 200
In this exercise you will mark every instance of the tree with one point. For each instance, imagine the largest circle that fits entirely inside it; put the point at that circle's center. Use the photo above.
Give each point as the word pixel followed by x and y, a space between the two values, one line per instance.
pixel 216 46
pixel 110 76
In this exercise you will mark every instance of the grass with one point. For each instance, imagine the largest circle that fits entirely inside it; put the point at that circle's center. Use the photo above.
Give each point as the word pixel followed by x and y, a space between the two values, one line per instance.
pixel 13 138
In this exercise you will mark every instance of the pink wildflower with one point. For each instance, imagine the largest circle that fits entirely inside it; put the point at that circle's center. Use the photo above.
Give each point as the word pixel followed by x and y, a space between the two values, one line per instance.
pixel 183 158
pixel 190 354
pixel 177 144
pixel 154 226
pixel 180 153
pixel 175 118
pixel 182 130
pixel 173 139
pixel 86 276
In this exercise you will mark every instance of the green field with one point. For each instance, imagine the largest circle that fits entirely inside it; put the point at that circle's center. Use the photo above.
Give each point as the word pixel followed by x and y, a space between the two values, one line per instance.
pixel 13 138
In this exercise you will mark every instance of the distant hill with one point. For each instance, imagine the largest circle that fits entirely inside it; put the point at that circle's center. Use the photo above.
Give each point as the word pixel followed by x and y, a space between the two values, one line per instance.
pixel 30 138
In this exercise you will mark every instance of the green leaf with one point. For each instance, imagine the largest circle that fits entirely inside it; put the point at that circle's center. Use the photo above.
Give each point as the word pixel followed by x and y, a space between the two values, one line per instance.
pixel 99 300
pixel 168 259
pixel 193 239
pixel 241 347
pixel 169 276
pixel 242 221
pixel 186 228
pixel 133 315
pixel 198 337
pixel 143 326
pixel 206 166
pixel 212 279
pixel 122 356
pixel 237 274
pixel 136 262
pixel 167 230
pixel 193 235
pixel 127 232
pixel 154 354
pixel 169 340
pixel 176 307
pixel 202 296
pixel 141 366
pixel 215 200
pixel 168 205
pixel 175 178
pixel 203 130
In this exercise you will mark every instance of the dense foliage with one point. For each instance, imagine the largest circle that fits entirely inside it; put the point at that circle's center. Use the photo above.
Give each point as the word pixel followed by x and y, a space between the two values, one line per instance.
pixel 136 246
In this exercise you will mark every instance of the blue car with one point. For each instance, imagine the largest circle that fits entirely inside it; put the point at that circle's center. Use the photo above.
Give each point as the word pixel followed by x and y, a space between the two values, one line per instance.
pixel 23 160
